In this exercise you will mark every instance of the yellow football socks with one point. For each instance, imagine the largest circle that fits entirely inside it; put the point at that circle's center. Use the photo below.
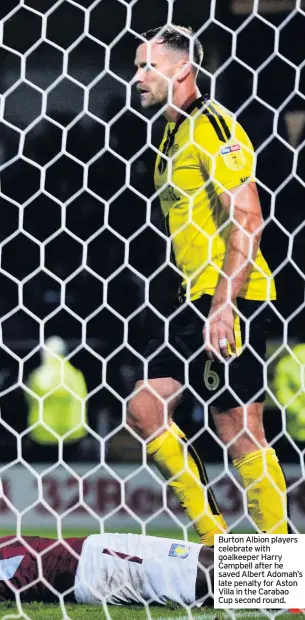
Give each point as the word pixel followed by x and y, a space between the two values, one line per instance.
pixel 173 460
pixel 264 481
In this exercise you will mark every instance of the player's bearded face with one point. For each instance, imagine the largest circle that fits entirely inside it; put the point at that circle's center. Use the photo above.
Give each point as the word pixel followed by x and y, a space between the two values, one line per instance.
pixel 155 71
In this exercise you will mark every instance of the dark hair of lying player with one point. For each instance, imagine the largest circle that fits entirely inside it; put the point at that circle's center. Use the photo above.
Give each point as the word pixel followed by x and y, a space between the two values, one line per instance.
pixel 205 576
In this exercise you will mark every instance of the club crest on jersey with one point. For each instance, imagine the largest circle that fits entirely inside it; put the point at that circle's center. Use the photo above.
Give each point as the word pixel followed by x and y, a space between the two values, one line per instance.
pixel 179 551
pixel 233 156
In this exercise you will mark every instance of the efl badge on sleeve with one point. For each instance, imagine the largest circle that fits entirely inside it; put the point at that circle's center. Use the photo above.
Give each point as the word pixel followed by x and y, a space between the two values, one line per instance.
pixel 179 551
pixel 233 156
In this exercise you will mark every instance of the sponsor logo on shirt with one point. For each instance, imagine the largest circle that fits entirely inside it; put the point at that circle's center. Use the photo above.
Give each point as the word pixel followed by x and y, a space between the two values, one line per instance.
pixel 179 551
pixel 233 156
pixel 230 149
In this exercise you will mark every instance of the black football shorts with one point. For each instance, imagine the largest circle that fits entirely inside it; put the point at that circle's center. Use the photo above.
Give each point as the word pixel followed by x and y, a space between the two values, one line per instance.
pixel 225 385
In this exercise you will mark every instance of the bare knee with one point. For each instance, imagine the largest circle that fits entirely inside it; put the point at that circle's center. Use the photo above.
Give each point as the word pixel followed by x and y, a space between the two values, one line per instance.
pixel 153 405
pixel 241 429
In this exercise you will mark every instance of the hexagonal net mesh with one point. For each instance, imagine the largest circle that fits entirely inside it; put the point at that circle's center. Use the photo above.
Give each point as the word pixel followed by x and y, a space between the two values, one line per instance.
pixel 86 257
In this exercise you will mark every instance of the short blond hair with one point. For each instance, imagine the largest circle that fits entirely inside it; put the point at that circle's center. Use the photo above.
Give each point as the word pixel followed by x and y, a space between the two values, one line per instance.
pixel 177 38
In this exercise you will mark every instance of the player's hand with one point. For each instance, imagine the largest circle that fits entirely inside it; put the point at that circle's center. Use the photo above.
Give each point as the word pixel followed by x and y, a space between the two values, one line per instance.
pixel 218 333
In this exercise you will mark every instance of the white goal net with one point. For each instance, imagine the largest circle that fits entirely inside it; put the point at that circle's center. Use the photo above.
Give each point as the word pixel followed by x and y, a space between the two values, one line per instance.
pixel 85 258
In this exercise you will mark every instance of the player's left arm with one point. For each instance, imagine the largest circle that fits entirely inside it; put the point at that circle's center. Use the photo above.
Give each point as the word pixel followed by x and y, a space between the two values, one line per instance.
pixel 229 163
pixel 243 207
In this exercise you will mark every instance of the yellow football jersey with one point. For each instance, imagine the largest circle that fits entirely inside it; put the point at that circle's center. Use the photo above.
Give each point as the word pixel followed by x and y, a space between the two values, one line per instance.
pixel 200 156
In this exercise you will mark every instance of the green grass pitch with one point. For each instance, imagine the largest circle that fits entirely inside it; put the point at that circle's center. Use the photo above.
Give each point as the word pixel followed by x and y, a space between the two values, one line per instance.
pixel 40 611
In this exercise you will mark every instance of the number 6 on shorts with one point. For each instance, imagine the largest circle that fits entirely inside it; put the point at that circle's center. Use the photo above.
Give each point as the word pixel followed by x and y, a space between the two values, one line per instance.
pixel 210 377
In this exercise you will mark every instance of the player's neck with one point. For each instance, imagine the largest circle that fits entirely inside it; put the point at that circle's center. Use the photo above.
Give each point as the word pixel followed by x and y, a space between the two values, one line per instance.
pixel 181 101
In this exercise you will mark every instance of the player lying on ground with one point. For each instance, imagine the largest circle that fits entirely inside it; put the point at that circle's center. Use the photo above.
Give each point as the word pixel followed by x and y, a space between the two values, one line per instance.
pixel 114 568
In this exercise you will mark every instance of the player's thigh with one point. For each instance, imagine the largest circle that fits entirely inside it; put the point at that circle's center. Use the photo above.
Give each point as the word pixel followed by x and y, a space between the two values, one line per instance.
pixel 170 359
pixel 240 381
pixel 152 405
pixel 165 369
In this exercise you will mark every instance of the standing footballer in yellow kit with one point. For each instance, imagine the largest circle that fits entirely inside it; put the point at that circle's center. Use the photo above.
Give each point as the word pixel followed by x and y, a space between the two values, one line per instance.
pixel 205 178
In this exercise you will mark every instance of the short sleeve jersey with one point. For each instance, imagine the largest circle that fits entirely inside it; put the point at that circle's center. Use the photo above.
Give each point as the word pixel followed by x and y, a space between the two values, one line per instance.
pixel 202 155
pixel 132 568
